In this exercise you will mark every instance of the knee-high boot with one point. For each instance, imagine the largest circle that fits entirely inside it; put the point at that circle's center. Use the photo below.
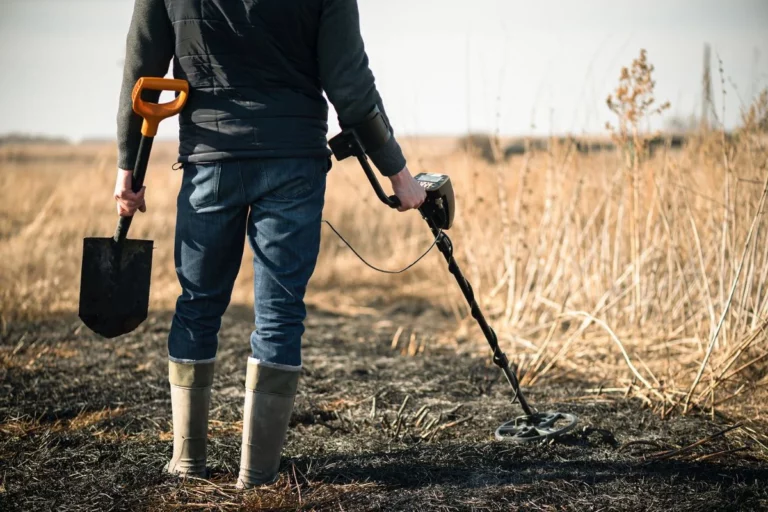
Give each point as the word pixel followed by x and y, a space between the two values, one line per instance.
pixel 269 395
pixel 190 401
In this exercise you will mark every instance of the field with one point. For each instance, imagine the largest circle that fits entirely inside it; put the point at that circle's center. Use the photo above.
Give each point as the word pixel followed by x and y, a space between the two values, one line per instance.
pixel 629 288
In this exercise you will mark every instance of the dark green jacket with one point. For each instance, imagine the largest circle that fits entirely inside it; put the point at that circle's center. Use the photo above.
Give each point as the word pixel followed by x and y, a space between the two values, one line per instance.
pixel 257 71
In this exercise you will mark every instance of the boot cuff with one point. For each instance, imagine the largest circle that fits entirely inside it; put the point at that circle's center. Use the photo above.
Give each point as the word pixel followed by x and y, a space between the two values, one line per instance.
pixel 191 375
pixel 272 378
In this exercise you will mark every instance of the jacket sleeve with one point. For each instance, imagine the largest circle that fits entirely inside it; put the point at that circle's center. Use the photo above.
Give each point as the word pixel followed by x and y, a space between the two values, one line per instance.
pixel 149 50
pixel 347 78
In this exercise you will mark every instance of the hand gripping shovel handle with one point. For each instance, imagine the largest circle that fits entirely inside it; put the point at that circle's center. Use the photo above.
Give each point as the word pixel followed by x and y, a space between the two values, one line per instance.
pixel 152 113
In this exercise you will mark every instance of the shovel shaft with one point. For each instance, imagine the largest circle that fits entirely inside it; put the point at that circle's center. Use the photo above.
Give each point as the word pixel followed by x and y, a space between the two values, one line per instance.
pixel 152 113
pixel 139 171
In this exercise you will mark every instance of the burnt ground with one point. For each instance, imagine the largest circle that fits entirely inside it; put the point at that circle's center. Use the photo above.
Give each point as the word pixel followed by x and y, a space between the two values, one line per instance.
pixel 85 425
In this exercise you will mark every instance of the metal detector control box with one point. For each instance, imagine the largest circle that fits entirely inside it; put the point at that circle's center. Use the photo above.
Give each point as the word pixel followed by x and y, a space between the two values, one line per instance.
pixel 431 181
pixel 440 205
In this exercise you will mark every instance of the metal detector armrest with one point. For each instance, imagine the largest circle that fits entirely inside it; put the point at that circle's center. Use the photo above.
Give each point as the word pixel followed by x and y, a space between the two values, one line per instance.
pixel 363 138
pixel 345 145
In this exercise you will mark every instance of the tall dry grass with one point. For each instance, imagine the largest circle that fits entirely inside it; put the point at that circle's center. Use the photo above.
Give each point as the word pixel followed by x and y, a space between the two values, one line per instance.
pixel 648 274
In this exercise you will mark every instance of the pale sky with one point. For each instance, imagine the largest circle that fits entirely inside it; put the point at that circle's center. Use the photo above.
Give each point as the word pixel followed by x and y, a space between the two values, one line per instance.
pixel 442 66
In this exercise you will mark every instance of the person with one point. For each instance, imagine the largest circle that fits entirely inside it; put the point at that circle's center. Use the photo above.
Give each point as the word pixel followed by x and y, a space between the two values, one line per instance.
pixel 253 149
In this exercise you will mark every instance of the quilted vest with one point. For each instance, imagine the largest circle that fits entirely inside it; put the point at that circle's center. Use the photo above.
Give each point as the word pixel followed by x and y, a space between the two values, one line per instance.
pixel 254 81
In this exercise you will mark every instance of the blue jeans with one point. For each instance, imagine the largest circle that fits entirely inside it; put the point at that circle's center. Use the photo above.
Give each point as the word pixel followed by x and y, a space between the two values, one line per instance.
pixel 277 205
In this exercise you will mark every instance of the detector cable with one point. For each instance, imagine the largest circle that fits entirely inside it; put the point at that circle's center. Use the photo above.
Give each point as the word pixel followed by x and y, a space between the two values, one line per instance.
pixel 377 269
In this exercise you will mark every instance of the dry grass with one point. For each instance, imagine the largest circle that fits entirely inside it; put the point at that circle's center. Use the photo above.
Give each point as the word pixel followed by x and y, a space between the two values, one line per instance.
pixel 647 274
pixel 82 421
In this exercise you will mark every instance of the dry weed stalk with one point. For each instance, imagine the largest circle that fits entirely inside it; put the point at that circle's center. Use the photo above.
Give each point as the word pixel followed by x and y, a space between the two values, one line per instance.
pixel 633 103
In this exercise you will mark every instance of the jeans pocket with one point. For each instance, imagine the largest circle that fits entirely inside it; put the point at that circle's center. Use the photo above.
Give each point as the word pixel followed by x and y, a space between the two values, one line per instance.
pixel 296 178
pixel 202 183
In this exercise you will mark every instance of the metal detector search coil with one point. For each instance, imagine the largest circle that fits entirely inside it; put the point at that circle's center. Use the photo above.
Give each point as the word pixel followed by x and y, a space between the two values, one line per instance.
pixel 538 427
pixel 438 211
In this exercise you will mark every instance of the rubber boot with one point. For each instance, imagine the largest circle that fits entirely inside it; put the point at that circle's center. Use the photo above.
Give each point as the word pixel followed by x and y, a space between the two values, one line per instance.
pixel 270 391
pixel 190 401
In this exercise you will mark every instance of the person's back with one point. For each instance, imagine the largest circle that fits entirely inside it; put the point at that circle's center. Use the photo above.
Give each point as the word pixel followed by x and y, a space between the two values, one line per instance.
pixel 254 155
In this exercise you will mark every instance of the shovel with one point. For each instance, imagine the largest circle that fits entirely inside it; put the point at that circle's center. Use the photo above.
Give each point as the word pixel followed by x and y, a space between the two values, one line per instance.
pixel 114 280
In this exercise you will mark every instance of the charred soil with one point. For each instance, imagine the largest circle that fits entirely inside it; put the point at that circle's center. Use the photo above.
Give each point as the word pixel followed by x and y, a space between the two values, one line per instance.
pixel 85 425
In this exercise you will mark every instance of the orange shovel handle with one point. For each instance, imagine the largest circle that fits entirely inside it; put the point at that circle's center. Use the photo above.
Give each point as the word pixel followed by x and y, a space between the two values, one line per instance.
pixel 153 113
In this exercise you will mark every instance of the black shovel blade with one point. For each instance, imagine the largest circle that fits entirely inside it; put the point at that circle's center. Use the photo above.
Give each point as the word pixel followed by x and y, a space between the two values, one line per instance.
pixel 114 285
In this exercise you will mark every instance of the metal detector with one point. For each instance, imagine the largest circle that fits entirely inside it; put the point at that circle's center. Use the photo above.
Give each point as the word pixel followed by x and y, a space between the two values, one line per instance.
pixel 438 210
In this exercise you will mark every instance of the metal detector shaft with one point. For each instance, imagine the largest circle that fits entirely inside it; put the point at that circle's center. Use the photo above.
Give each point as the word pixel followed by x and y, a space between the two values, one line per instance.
pixel 499 358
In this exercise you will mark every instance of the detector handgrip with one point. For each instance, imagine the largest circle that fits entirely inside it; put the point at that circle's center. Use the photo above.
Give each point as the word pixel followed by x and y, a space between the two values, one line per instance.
pixel 391 201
